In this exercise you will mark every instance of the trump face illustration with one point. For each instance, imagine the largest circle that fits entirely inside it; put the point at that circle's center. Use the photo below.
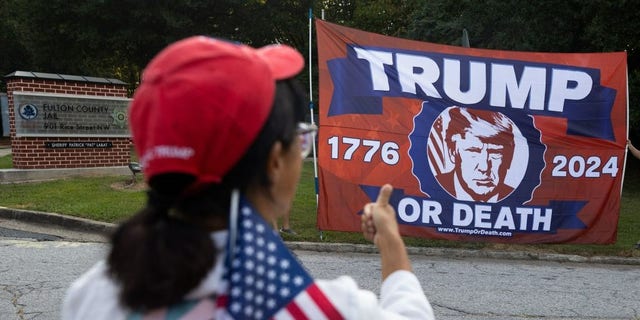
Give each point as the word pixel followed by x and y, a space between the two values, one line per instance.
pixel 480 147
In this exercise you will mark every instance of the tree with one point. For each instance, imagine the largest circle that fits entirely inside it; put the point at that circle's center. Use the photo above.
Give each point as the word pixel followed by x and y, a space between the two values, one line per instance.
pixel 13 55
pixel 117 38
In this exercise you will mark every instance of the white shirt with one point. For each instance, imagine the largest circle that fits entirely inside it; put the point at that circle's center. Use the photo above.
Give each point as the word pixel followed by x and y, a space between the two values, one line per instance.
pixel 95 295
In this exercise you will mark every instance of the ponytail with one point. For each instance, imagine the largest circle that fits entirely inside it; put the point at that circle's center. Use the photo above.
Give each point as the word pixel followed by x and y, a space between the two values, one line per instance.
pixel 156 257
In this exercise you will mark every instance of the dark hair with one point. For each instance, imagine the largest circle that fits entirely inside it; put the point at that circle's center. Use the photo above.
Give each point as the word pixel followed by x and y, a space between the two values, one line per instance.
pixel 165 251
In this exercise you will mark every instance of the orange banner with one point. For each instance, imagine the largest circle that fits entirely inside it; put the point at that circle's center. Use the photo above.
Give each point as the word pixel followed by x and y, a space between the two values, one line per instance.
pixel 480 145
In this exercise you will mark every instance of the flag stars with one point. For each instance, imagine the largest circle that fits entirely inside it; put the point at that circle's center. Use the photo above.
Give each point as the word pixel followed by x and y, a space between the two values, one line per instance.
pixel 284 292
pixel 260 270
pixel 298 281
pixel 263 276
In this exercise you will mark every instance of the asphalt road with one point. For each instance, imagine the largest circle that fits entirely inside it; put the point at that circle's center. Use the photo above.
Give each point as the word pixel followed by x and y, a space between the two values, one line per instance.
pixel 35 274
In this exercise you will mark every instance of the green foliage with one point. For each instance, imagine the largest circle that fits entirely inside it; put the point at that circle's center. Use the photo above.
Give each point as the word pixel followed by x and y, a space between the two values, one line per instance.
pixel 388 17
pixel 13 54
pixel 116 39
pixel 338 11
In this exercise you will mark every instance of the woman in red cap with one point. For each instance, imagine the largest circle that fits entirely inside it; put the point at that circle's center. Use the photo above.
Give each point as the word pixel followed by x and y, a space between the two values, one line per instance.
pixel 218 129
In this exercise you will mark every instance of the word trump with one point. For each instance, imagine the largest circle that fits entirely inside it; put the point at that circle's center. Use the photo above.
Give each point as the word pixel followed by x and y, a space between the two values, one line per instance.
pixel 424 71
pixel 411 211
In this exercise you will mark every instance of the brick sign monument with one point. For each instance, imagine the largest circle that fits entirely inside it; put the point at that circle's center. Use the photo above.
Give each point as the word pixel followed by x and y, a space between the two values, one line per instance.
pixel 66 121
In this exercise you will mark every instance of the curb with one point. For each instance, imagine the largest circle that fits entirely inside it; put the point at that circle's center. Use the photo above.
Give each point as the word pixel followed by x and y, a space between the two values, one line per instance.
pixel 103 228
pixel 62 221
pixel 466 253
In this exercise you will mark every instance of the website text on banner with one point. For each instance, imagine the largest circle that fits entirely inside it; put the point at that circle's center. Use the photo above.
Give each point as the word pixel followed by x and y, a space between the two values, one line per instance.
pixel 481 145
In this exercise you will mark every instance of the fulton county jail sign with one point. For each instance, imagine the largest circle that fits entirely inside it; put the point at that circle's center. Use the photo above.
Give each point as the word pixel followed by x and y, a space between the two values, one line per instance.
pixel 59 115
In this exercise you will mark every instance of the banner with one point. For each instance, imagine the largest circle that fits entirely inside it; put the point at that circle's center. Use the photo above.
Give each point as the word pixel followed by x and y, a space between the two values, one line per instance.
pixel 480 145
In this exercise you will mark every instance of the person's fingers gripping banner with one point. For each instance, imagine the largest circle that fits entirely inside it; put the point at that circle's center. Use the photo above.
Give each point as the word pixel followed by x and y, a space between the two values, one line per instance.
pixel 480 145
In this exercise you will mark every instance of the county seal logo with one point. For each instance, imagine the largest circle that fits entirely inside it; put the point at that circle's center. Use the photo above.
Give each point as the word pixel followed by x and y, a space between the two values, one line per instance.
pixel 28 111
pixel 119 118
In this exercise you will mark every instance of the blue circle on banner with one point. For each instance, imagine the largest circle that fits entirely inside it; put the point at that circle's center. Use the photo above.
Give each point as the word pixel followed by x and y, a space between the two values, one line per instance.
pixel 428 153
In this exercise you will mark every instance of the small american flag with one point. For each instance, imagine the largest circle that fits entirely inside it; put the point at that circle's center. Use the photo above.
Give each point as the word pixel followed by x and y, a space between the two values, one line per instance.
pixel 263 280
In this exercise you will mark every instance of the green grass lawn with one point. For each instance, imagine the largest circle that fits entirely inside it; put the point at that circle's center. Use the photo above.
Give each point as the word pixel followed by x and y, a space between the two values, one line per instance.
pixel 6 162
pixel 110 199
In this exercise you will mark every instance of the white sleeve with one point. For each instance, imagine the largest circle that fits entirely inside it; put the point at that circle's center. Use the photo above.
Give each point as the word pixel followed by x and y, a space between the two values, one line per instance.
pixel 401 297
pixel 402 293
pixel 92 296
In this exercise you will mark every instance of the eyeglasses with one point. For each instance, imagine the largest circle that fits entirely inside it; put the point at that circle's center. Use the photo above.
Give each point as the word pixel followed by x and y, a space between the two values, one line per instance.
pixel 307 133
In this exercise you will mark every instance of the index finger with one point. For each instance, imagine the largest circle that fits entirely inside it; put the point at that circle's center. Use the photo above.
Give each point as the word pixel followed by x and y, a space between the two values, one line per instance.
pixel 384 194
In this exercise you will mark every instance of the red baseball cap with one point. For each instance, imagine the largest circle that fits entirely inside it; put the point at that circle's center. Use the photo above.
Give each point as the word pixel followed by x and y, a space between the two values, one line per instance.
pixel 202 102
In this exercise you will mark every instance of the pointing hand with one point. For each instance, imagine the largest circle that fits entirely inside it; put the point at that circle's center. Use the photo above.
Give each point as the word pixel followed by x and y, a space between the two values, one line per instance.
pixel 379 218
